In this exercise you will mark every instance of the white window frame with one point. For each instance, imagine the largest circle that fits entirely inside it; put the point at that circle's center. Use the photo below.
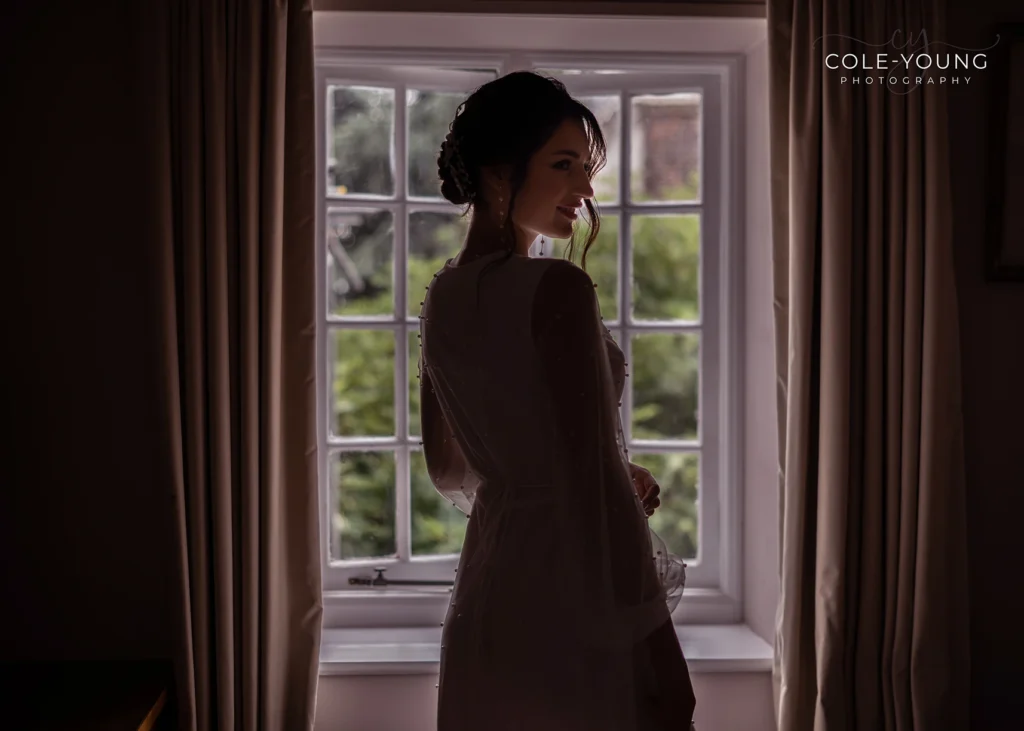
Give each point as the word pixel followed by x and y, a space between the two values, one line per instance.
pixel 713 593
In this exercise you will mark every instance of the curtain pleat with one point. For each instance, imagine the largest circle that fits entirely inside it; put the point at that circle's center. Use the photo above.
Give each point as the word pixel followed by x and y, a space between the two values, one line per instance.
pixel 872 625
pixel 241 389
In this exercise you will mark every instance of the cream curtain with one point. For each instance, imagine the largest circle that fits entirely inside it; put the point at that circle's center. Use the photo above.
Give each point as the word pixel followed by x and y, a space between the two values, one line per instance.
pixel 872 625
pixel 239 326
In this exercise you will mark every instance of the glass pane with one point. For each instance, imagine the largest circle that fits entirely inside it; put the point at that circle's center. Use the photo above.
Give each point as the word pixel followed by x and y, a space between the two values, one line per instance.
pixel 414 383
pixel 665 371
pixel 666 267
pixel 607 109
pixel 438 527
pixel 434 237
pixel 602 260
pixel 361 138
pixel 363 489
pixel 363 393
pixel 430 113
pixel 675 520
pixel 666 141
pixel 360 262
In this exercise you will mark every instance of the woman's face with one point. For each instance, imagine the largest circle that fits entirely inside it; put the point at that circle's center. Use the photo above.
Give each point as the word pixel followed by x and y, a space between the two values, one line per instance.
pixel 556 184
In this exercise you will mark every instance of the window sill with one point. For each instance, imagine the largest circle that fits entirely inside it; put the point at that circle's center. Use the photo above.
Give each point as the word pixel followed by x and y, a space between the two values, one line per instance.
pixel 731 648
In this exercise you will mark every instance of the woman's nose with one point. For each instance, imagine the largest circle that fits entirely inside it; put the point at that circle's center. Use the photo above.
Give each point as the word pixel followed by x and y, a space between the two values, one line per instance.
pixel 585 190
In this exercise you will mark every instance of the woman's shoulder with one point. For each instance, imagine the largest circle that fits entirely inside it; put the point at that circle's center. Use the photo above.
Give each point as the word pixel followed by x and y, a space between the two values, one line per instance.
pixel 564 292
pixel 561 283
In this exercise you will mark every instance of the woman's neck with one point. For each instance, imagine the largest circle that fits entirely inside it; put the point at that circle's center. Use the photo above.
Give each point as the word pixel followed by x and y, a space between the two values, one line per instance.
pixel 485 237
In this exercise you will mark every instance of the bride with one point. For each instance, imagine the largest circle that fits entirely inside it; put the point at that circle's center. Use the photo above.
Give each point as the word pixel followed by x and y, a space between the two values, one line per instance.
pixel 560 618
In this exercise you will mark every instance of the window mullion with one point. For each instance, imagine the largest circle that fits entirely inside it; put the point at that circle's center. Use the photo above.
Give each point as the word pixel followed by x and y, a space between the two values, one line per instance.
pixel 363 444
pixel 403 500
pixel 625 260
pixel 425 79
pixel 329 547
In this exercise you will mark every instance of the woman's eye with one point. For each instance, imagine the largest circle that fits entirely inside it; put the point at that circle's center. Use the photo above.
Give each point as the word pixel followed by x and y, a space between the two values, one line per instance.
pixel 566 164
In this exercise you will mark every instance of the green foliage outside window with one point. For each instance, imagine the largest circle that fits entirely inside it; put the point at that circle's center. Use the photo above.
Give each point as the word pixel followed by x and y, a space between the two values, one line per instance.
pixel 663 368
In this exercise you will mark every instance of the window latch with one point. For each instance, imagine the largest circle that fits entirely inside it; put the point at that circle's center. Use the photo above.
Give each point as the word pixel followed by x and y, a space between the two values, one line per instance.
pixel 380 580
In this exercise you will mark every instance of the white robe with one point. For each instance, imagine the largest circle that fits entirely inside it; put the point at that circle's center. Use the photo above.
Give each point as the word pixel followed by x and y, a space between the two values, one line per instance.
pixel 560 579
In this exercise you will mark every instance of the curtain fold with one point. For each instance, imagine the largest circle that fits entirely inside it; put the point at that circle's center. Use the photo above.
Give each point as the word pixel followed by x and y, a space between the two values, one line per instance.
pixel 240 386
pixel 872 624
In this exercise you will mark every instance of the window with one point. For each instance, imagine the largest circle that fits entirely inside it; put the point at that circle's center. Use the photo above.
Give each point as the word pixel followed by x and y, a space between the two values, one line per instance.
pixel 664 262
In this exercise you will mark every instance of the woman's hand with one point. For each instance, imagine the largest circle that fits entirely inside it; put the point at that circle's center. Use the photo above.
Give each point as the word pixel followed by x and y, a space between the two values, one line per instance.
pixel 647 488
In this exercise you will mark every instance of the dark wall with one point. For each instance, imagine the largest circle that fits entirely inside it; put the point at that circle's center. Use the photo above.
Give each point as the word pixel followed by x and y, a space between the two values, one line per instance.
pixel 86 542
pixel 992 336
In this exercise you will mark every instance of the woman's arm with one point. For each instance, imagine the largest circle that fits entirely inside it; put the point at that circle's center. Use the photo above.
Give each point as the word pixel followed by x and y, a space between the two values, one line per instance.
pixel 615 575
pixel 606 553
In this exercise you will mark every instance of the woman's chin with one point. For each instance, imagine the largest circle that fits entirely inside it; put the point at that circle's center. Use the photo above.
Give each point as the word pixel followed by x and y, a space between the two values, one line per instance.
pixel 563 229
pixel 559 229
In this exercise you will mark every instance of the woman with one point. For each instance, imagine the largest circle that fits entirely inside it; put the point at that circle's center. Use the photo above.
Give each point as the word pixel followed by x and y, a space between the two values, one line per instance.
pixel 560 616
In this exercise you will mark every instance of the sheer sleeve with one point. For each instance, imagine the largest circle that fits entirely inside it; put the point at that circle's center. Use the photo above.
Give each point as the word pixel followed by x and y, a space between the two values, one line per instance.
pixel 606 557
pixel 671 569
pixel 446 463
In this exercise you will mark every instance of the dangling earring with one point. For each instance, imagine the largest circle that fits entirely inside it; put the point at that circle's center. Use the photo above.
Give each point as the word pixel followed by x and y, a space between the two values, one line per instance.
pixel 542 246
pixel 501 225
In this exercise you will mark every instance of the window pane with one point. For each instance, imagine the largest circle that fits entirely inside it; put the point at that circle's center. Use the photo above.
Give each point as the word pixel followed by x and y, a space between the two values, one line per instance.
pixel 666 267
pixel 665 371
pixel 675 520
pixel 430 113
pixel 414 383
pixel 363 388
pixel 438 527
pixel 607 109
pixel 602 260
pixel 666 140
pixel 360 141
pixel 434 237
pixel 363 489
pixel 360 262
